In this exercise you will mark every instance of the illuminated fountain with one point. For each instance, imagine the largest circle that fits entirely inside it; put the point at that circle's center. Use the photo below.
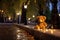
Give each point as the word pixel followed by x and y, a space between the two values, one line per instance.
pixel 42 24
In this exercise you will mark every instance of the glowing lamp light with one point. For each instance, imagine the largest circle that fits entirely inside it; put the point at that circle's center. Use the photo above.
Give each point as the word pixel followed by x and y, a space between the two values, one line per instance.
pixel 52 31
pixel 47 30
pixel 9 18
pixel 33 16
pixel 29 18
pixel 52 26
pixel 18 13
pixel 18 36
pixel 25 6
pixel 18 30
pixel 2 11
pixel 59 14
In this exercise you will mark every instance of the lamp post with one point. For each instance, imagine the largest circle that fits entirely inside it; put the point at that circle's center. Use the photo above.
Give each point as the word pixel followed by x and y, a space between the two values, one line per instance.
pixel 23 16
pixel 1 16
pixel 25 8
pixel 18 14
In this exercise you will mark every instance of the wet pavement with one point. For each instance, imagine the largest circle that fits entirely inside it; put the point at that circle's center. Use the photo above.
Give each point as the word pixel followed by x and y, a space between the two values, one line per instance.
pixel 12 32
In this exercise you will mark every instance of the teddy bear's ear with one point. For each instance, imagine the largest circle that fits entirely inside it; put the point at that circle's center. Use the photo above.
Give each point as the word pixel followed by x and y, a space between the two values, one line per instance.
pixel 44 17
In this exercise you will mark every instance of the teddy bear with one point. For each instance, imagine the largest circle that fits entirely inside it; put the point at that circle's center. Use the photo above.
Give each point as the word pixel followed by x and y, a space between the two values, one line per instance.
pixel 41 23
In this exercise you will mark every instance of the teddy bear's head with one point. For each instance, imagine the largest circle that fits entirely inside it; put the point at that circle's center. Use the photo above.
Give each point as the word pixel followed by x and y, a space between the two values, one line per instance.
pixel 41 18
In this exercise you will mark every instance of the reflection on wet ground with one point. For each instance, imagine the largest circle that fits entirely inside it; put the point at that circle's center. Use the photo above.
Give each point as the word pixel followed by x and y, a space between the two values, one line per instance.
pixel 13 33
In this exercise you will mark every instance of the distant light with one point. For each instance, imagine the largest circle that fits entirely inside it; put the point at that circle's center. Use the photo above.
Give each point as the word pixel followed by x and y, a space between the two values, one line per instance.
pixel 9 18
pixel 25 6
pixel 18 30
pixel 47 30
pixel 2 11
pixel 33 16
pixel 18 13
pixel 18 36
pixel 59 14
pixel 27 26
pixel 52 26
pixel 29 18
pixel 52 31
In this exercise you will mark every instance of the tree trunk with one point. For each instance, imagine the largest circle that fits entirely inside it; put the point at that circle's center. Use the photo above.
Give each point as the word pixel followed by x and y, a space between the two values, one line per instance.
pixel 55 17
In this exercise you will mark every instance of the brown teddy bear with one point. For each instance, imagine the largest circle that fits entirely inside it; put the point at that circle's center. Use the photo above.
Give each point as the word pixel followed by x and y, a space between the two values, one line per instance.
pixel 41 23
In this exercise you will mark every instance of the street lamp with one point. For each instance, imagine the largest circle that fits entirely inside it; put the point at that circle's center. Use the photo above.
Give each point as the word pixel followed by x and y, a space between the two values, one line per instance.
pixel 33 16
pixel 1 15
pixel 59 14
pixel 23 16
pixel 18 17
pixel 25 6
pixel 9 18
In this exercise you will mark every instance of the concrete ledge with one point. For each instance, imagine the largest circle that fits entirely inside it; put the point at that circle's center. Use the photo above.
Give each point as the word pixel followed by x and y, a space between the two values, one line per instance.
pixel 39 35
